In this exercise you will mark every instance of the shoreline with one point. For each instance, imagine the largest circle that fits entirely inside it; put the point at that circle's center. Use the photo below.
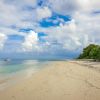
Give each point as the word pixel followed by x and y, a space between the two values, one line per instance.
pixel 15 77
pixel 61 80
pixel 88 63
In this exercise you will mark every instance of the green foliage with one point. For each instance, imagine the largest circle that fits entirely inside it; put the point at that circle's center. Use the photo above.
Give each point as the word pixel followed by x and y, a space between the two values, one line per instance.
pixel 91 52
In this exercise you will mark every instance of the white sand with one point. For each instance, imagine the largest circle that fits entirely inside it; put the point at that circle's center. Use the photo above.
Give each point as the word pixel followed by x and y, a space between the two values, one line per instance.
pixel 61 81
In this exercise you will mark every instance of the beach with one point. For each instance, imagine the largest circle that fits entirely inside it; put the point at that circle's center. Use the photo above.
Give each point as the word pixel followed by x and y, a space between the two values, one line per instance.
pixel 61 80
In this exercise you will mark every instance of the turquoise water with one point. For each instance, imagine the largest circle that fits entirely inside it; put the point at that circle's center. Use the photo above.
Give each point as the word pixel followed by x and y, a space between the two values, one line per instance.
pixel 14 71
pixel 13 66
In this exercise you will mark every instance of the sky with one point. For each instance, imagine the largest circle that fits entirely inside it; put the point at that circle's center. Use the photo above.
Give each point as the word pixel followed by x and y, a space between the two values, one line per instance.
pixel 33 29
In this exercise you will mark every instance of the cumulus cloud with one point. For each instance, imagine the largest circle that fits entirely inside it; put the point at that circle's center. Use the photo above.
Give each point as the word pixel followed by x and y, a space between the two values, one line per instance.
pixel 88 5
pixel 31 41
pixel 44 12
pixel 68 36
pixel 69 7
pixel 64 7
pixel 2 40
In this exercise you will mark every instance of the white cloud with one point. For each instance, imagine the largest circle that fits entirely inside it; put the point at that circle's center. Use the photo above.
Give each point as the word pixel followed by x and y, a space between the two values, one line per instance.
pixel 88 5
pixel 2 40
pixel 67 7
pixel 31 41
pixel 82 30
pixel 69 36
pixel 44 12
pixel 88 24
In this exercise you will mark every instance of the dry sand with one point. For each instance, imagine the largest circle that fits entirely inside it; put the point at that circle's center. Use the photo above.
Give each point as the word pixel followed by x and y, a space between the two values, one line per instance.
pixel 63 80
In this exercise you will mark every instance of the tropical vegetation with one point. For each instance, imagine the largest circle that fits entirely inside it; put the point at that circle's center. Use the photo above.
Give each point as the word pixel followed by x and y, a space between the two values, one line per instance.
pixel 91 52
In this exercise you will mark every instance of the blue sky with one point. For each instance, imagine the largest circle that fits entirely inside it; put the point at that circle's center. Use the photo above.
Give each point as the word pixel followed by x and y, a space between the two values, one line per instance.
pixel 48 28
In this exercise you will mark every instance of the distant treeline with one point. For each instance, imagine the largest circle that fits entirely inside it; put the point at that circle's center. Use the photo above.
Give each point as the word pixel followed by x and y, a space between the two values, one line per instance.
pixel 91 52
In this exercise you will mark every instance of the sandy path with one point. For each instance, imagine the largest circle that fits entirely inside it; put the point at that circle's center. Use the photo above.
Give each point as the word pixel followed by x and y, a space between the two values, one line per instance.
pixel 61 81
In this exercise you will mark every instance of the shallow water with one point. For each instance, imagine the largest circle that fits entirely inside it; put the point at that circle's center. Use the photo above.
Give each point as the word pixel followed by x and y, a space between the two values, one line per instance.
pixel 9 67
pixel 19 69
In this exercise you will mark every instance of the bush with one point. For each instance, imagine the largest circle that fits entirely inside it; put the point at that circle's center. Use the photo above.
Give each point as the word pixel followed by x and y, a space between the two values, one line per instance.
pixel 91 52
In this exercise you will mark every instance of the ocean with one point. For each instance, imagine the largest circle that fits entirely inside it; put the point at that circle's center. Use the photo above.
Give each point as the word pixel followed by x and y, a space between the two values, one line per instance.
pixel 13 70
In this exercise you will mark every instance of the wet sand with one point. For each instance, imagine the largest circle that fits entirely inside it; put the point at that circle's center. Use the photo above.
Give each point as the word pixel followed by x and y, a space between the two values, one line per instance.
pixel 61 80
